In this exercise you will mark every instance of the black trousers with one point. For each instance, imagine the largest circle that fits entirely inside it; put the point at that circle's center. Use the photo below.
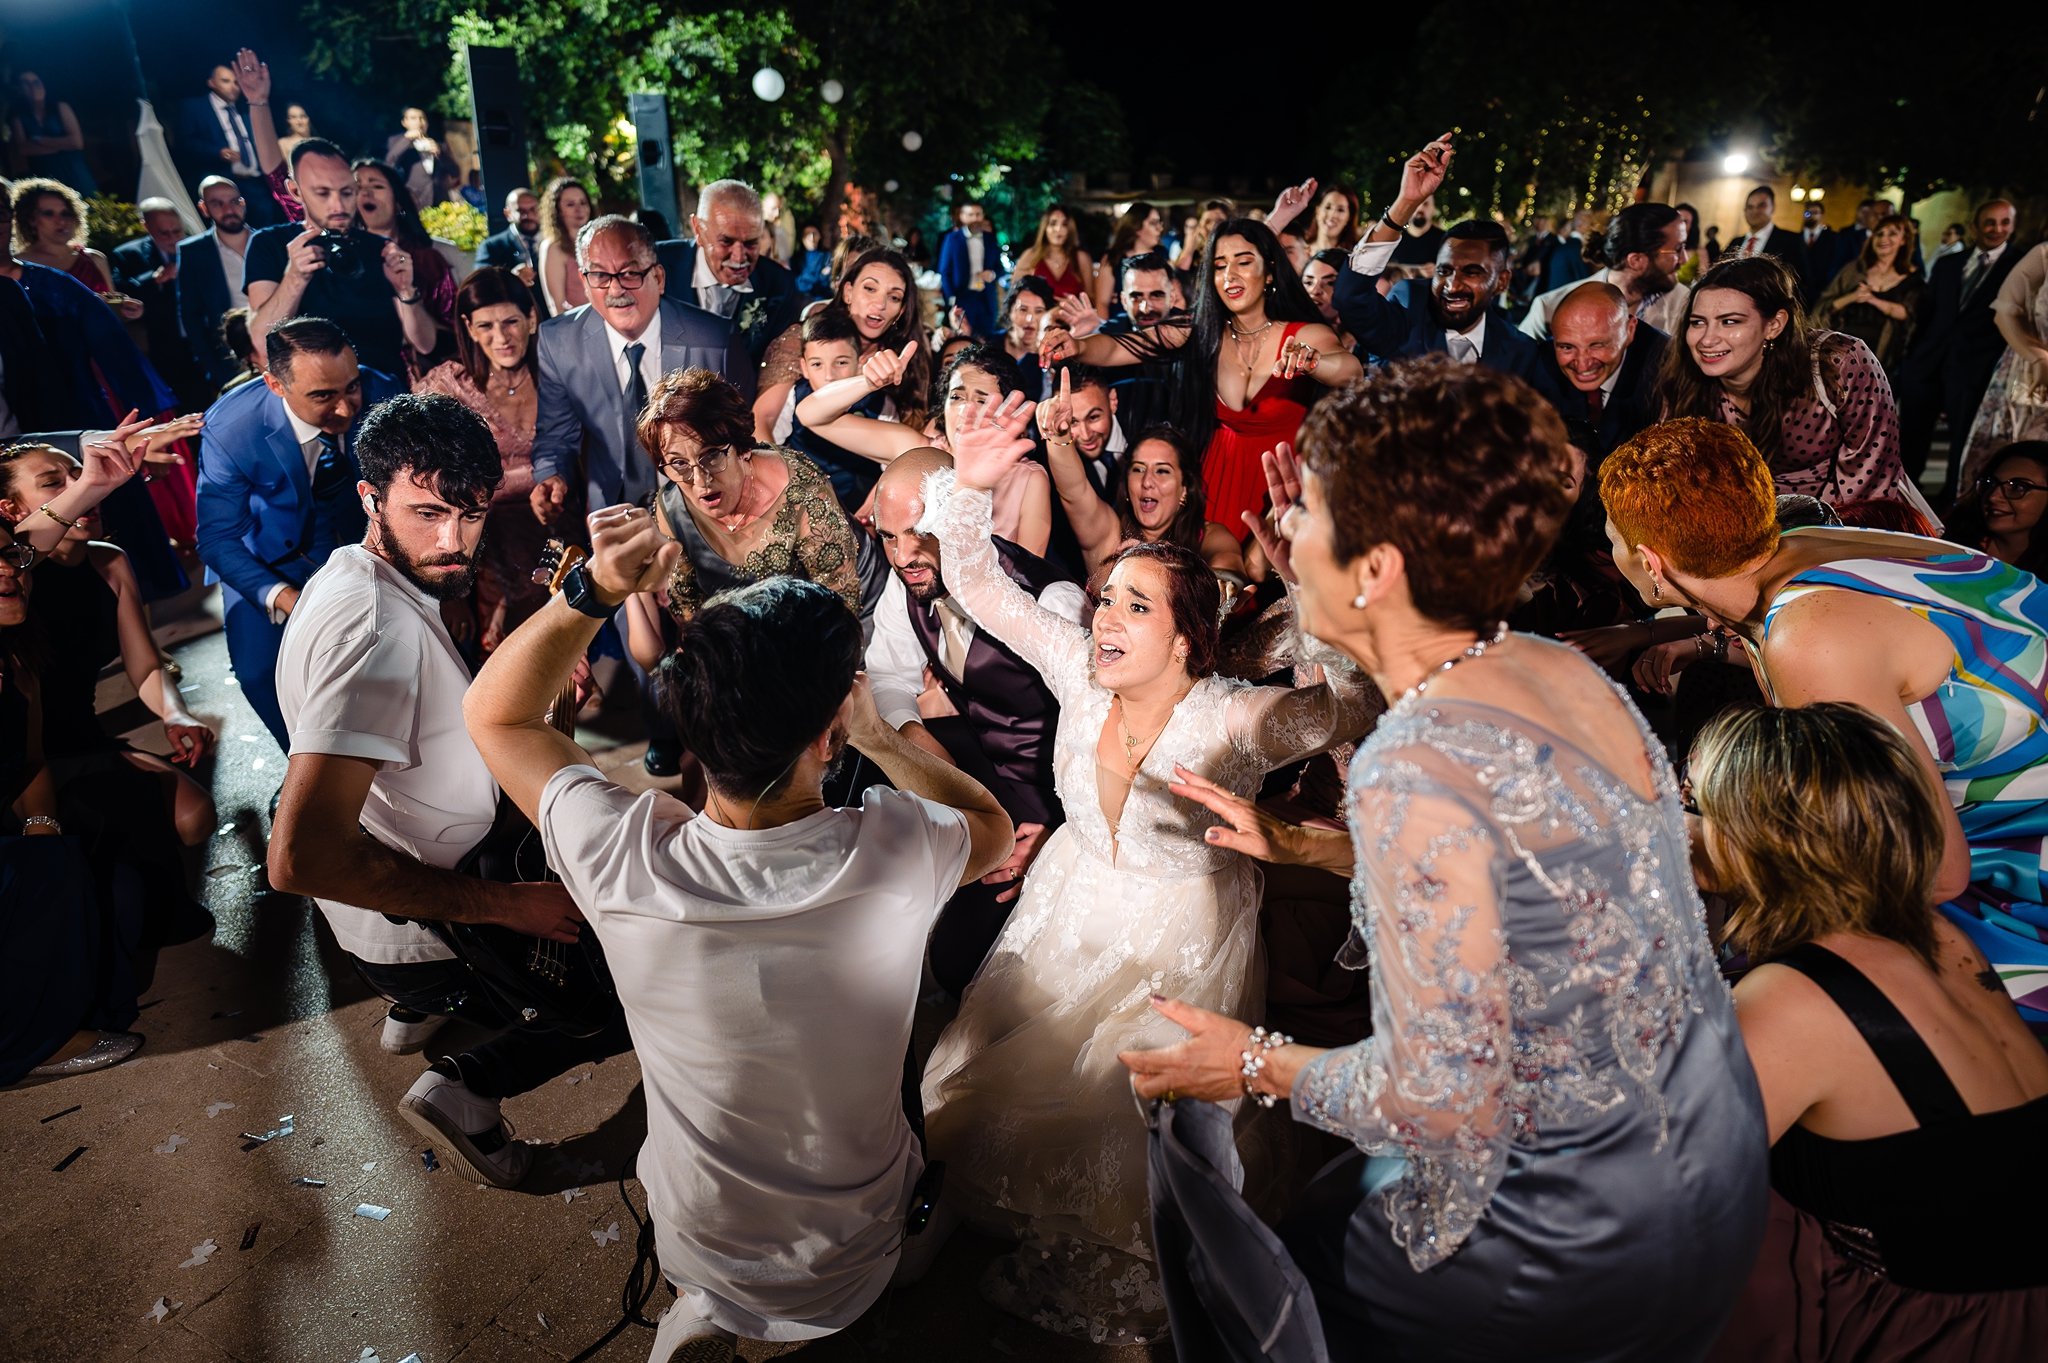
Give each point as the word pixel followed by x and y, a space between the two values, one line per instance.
pixel 519 1058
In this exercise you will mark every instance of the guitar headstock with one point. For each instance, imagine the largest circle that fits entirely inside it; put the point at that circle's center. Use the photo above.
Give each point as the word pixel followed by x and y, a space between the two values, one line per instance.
pixel 556 559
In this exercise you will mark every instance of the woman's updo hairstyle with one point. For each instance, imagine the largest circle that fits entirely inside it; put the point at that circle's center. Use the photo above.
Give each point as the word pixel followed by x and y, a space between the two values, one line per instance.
pixel 1193 598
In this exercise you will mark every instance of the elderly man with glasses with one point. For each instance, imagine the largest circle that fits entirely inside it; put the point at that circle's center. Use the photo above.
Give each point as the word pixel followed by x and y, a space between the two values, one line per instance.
pixel 598 363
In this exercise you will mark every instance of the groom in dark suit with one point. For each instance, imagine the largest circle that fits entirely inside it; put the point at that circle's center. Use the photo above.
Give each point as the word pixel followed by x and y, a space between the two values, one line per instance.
pixel 722 270
pixel 1956 344
pixel 1603 362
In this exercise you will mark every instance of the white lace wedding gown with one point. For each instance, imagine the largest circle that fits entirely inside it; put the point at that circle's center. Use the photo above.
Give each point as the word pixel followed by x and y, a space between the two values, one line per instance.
pixel 1024 1097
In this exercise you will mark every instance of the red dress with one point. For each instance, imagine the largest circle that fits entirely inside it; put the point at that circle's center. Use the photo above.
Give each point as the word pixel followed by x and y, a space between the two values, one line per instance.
pixel 1066 284
pixel 1233 479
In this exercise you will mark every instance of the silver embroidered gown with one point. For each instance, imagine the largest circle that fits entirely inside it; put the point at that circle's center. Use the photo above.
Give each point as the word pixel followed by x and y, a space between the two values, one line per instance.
pixel 1024 1097
pixel 1580 1164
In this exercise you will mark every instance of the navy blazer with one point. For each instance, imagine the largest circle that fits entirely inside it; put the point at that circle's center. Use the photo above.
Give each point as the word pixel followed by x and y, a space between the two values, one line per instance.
pixel 760 319
pixel 1632 407
pixel 22 358
pixel 1393 331
pixel 1953 340
pixel 956 281
pixel 202 292
pixel 506 251
pixel 200 139
pixel 256 494
pixel 584 435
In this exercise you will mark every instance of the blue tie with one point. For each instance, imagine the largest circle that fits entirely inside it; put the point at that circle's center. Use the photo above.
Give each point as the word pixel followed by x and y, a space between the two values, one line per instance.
pixel 330 469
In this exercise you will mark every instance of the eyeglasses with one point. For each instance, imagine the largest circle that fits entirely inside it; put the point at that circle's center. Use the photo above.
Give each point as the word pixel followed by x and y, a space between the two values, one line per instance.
pixel 710 464
pixel 19 555
pixel 630 280
pixel 2013 488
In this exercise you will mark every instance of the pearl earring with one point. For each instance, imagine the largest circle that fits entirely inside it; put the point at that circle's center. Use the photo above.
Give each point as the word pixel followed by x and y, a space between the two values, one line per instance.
pixel 1359 603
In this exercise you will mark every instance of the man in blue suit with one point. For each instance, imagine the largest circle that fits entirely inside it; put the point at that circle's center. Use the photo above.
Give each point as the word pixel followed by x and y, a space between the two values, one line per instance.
pixel 1457 317
pixel 277 491
pixel 722 271
pixel 214 139
pixel 598 363
pixel 970 264
pixel 210 272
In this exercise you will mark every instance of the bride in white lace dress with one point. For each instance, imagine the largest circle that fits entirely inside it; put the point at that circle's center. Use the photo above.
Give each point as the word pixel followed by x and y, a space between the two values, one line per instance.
pixel 1024 1097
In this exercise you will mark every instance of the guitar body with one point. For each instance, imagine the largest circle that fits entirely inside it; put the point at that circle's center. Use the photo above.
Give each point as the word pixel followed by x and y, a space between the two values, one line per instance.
pixel 561 986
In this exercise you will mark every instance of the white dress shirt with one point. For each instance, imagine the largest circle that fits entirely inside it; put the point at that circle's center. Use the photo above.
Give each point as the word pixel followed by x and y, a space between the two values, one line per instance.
pixel 236 132
pixel 976 257
pixel 308 436
pixel 708 287
pixel 896 660
pixel 650 359
pixel 234 268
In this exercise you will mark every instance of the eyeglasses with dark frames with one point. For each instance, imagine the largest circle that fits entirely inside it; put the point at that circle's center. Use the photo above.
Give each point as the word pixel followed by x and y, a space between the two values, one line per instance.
pixel 710 464
pixel 2014 488
pixel 629 280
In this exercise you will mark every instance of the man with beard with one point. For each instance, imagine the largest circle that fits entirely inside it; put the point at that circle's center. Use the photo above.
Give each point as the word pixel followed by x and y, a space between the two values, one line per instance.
pixel 211 268
pixel 1150 295
pixel 1457 316
pixel 385 794
pixel 332 266
pixel 277 476
pixel 517 248
pixel 992 716
pixel 1645 246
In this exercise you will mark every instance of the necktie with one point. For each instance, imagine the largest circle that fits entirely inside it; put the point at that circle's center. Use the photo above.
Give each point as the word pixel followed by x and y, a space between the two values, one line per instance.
pixel 1461 348
pixel 725 299
pixel 245 150
pixel 1754 244
pixel 953 640
pixel 330 468
pixel 1973 274
pixel 636 382
pixel 1595 400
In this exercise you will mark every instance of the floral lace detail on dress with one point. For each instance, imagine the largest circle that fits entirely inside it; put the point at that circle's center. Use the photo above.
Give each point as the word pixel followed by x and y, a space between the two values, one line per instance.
pixel 808 536
pixel 1537 948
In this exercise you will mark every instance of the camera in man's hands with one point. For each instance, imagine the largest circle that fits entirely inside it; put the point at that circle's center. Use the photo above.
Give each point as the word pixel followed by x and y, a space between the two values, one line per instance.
pixel 348 255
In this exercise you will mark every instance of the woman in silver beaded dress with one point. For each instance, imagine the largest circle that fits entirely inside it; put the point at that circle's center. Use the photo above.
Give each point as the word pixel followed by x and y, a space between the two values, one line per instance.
pixel 1562 1150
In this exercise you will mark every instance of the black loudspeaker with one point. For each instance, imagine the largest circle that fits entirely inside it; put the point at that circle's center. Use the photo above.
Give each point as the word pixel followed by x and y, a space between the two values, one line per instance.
pixel 649 115
pixel 500 116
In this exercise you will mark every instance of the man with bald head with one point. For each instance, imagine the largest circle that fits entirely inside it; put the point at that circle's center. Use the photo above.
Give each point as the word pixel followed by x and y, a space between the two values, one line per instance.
pixel 1604 362
pixel 984 708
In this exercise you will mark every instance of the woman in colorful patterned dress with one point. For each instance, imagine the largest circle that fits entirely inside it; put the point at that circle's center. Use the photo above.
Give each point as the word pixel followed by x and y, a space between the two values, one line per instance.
pixel 1948 645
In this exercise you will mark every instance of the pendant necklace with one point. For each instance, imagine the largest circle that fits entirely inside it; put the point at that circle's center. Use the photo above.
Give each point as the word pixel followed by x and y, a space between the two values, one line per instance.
pixel 1477 649
pixel 1238 338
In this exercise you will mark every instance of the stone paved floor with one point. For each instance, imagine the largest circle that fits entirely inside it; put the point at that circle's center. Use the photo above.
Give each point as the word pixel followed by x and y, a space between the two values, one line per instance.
pixel 269 1018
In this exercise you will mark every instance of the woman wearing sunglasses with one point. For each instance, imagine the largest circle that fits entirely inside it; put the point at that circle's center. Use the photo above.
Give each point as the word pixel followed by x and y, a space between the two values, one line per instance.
pixel 2002 513
pixel 1949 645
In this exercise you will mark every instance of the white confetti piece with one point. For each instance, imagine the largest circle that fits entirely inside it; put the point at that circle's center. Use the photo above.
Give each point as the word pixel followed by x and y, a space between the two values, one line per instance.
pixel 201 1252
pixel 215 1109
pixel 609 1235
pixel 170 1147
pixel 370 1211
pixel 571 1194
pixel 576 1079
pixel 542 1318
pixel 248 738
pixel 259 764
pixel 368 1355
pixel 369 1166
pixel 162 1309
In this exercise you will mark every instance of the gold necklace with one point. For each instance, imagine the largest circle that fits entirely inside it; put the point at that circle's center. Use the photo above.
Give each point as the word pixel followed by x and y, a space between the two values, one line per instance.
pixel 1131 743
pixel 1238 338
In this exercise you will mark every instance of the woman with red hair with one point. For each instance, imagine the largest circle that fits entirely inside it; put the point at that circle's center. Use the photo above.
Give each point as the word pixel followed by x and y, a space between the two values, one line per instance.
pixel 1948 645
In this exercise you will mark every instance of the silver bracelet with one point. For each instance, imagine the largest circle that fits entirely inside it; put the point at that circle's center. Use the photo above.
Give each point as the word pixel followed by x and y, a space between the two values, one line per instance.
pixel 41 821
pixel 1256 1047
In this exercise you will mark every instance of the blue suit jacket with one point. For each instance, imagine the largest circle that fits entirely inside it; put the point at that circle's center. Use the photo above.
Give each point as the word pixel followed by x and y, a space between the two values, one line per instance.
pixel 200 139
pixel 771 311
pixel 956 278
pixel 1394 331
pixel 202 302
pixel 256 495
pixel 506 251
pixel 584 434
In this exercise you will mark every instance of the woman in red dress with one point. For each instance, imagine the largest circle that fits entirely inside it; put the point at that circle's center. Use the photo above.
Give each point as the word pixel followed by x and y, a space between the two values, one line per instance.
pixel 1056 257
pixel 1251 360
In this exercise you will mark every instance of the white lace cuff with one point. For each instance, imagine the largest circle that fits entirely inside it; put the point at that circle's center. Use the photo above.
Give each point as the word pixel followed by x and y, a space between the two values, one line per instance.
pixel 950 507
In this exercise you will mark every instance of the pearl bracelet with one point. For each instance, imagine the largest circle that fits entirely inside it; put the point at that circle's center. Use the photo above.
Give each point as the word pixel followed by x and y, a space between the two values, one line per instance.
pixel 1256 1048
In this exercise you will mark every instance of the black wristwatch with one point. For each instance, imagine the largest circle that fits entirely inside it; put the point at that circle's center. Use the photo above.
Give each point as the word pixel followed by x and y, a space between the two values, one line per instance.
pixel 581 593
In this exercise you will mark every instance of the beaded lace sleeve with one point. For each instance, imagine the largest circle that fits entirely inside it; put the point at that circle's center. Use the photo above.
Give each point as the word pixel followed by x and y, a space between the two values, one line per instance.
pixel 960 517
pixel 1431 1083
pixel 1277 725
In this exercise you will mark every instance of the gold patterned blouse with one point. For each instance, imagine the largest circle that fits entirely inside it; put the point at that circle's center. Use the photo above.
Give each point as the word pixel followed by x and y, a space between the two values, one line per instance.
pixel 804 534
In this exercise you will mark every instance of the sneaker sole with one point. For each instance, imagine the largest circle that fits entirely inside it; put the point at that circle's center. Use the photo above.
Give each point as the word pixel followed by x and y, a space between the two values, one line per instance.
pixel 455 1144
pixel 409 1047
pixel 703 1349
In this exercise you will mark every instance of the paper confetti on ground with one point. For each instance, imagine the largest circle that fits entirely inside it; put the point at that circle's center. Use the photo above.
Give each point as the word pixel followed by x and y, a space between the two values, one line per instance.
pixel 575 1079
pixel 369 1165
pixel 371 1212
pixel 571 1194
pixel 609 1235
pixel 162 1309
pixel 170 1147
pixel 215 1109
pixel 201 1252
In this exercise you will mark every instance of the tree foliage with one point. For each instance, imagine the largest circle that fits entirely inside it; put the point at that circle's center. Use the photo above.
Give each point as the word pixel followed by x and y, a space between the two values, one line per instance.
pixel 916 66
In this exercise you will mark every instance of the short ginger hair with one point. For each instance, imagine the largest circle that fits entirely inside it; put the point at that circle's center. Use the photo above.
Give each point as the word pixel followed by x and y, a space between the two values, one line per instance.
pixel 1694 490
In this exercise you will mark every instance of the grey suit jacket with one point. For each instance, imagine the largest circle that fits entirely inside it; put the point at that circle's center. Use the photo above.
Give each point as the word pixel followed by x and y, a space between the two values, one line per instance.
pixel 584 434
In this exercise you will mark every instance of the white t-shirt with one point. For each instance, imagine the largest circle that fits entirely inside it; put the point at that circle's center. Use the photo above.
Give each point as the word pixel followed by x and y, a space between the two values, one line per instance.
pixel 768 979
pixel 366 669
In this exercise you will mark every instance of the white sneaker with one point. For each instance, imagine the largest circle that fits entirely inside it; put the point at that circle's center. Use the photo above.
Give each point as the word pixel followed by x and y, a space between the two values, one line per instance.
pixel 683 1336
pixel 407 1038
pixel 474 1137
